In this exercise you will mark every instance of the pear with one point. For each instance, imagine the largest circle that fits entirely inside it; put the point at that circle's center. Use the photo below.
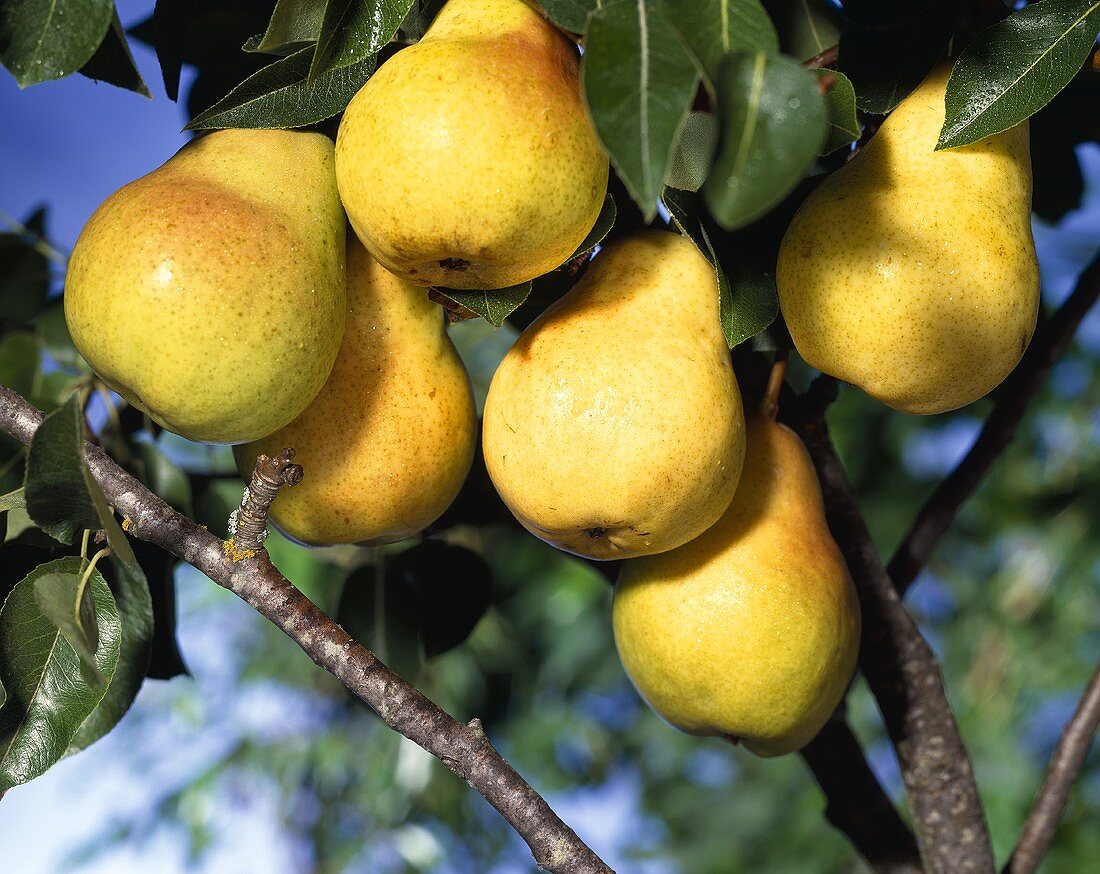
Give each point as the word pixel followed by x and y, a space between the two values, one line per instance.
pixel 469 160
pixel 210 293
pixel 388 442
pixel 911 273
pixel 750 631
pixel 613 427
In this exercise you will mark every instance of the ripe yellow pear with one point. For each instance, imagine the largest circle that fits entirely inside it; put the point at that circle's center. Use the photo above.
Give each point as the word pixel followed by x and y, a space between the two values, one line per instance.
pixel 750 631
pixel 613 427
pixel 469 160
pixel 911 273
pixel 388 442
pixel 210 293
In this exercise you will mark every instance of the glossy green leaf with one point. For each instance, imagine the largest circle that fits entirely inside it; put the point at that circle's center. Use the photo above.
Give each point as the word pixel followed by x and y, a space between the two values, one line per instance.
pixel 114 63
pixel 1014 68
pixel 570 15
pixel 278 96
pixel 773 123
pixel 840 110
pixel 293 23
pixel 494 305
pixel 712 29
pixel 354 30
pixel 71 607
pixel 50 693
pixel 694 152
pixel 639 82
pixel 42 40
pixel 806 27
pixel 605 221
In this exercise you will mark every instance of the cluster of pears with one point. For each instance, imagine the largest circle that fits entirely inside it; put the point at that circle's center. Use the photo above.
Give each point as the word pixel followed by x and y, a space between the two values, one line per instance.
pixel 223 295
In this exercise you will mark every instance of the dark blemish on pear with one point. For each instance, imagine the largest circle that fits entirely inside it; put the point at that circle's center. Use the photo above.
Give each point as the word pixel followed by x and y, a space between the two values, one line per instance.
pixel 454 264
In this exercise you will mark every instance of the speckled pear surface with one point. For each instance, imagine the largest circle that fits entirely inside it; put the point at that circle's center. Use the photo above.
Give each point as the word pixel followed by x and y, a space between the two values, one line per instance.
pixel 210 293
pixel 750 631
pixel 468 160
pixel 388 442
pixel 911 273
pixel 613 427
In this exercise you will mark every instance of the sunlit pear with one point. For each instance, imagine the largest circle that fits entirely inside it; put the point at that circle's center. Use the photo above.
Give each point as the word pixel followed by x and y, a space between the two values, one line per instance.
pixel 469 160
pixel 210 293
pixel 613 427
pixel 750 631
pixel 910 272
pixel 388 442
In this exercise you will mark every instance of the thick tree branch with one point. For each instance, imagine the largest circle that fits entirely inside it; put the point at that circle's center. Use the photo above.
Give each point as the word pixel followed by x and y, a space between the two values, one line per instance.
pixel 904 677
pixel 1062 772
pixel 1015 395
pixel 464 749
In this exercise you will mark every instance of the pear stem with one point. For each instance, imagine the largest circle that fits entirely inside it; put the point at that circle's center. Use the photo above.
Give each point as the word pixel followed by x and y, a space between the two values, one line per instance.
pixel 769 406
pixel 248 524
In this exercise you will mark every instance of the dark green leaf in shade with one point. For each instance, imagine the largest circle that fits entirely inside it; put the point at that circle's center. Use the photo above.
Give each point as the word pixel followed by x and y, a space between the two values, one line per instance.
pixel 806 27
pixel 19 361
pixel 712 29
pixel 58 497
pixel 293 24
pixel 54 336
pixel 421 14
pixel 1068 120
pixel 694 152
pixel 354 30
pixel 71 607
pixel 50 693
pixel 605 221
pixel 42 40
pixel 639 81
pixel 570 15
pixel 12 500
pixel 135 609
pixel 773 123
pixel 113 63
pixel 168 31
pixel 278 96
pixel 494 305
pixel 888 48
pixel 747 302
pixel 24 273
pixel 1014 68
pixel 840 110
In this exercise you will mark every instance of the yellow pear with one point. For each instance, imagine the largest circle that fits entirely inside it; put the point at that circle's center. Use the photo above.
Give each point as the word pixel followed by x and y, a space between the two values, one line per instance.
pixel 210 293
pixel 613 427
pixel 750 631
pixel 911 273
pixel 388 442
pixel 468 160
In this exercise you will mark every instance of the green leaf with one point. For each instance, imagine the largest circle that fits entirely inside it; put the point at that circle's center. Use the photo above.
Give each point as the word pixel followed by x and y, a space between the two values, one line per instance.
pixel 12 500
pixel 168 31
pixel 840 110
pixel 54 335
pixel 293 23
pixel 49 693
pixel 495 305
pixel 888 48
pixel 70 607
pixel 639 82
pixel 113 63
pixel 1014 68
pixel 605 221
pixel 42 40
pixel 694 152
pixel 278 96
pixel 747 300
pixel 24 273
pixel 773 124
pixel 570 15
pixel 58 498
pixel 712 29
pixel 135 607
pixel 354 30
pixel 19 362
pixel 806 27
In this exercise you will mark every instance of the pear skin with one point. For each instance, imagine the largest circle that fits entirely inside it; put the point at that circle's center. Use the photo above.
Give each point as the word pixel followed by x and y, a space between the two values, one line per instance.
pixel 469 160
pixel 387 443
pixel 912 273
pixel 613 427
pixel 750 631
pixel 210 293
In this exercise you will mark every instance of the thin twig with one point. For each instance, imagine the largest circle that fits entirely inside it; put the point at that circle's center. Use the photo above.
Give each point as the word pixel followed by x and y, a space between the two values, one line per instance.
pixel 826 58
pixel 1015 395
pixel 464 749
pixel 1062 772
pixel 248 524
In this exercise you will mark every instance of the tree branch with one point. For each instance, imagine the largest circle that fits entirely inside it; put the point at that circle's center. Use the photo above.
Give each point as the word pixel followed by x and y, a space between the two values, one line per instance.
pixel 904 677
pixel 1014 397
pixel 464 749
pixel 1063 770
